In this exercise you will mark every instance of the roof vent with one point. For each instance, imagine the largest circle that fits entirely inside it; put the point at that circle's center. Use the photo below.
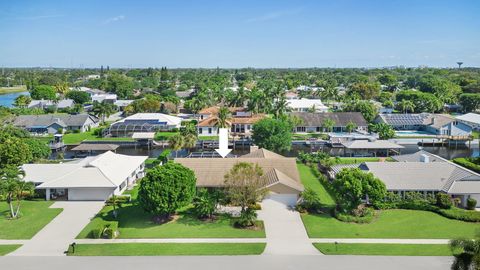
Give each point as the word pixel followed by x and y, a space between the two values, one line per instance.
pixel 424 158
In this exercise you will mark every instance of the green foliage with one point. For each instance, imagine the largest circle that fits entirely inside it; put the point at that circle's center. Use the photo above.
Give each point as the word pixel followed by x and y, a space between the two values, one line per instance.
pixel 470 102
pixel 120 85
pixel 310 200
pixel 385 131
pixel 366 108
pixel 469 163
pixel 204 204
pixel 365 90
pixel 38 148
pixel 43 92
pixel 353 185
pixel 444 201
pixel 471 203
pixel 423 102
pixel 366 216
pixel 273 134
pixel 96 233
pixel 167 188
pixel 80 97
pixel 247 218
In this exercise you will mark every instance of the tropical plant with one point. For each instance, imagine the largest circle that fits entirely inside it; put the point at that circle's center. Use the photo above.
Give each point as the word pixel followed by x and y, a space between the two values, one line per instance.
pixel 103 110
pixel 22 101
pixel 14 190
pixel 176 142
pixel 273 134
pixel 406 106
pixel 350 127
pixel 222 118
pixel 328 124
pixel 466 253
pixel 204 204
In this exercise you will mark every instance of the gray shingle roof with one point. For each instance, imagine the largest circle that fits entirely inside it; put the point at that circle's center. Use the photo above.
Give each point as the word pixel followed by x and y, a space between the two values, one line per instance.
pixel 341 119
pixel 45 120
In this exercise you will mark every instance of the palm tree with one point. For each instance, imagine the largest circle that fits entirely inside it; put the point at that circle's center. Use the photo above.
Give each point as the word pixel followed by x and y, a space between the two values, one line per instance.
pixel 22 101
pixel 328 125
pixel 176 142
pixel 469 256
pixel 222 118
pixel 103 110
pixel 189 140
pixel 14 189
pixel 350 127
pixel 280 107
pixel 406 106
pixel 61 88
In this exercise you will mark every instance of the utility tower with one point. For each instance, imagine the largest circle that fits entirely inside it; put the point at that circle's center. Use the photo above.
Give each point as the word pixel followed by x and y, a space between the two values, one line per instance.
pixel 459 64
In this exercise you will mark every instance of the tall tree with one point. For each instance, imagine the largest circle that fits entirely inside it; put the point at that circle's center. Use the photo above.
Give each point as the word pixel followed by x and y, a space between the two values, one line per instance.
pixel 273 134
pixel 14 189
pixel 222 117
pixel 103 110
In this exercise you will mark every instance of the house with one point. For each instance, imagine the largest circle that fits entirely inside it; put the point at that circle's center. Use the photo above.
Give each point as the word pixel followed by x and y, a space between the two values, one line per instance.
pixel 121 104
pixel 44 104
pixel 241 124
pixel 306 105
pixel 108 98
pixel 438 124
pixel 213 111
pixel 93 178
pixel 53 123
pixel 280 173
pixel 291 95
pixel 144 122
pixel 366 148
pixel 471 119
pixel 314 122
pixel 90 91
pixel 425 173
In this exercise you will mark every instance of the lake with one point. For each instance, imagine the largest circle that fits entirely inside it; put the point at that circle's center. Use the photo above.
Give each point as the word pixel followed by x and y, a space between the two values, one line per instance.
pixel 8 99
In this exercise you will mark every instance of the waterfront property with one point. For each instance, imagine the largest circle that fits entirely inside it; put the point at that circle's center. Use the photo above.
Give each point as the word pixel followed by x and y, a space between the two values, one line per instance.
pixel 437 124
pixel 315 122
pixel 366 148
pixel 144 122
pixel 281 174
pixel 241 124
pixel 208 112
pixel 306 105
pixel 471 119
pixel 423 172
pixel 53 123
pixel 92 178
pixel 45 104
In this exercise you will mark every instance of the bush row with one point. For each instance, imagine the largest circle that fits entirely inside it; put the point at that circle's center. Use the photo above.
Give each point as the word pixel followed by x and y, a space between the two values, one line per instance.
pixel 469 163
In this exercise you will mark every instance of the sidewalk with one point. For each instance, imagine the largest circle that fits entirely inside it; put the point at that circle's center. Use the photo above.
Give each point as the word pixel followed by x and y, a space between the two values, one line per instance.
pixel 379 241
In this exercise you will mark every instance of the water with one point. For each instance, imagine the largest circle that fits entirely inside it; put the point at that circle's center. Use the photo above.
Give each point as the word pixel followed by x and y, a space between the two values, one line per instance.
pixel 445 152
pixel 8 99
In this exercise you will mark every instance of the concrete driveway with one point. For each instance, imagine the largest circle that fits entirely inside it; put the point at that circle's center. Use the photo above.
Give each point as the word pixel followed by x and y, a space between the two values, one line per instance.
pixel 54 238
pixel 284 229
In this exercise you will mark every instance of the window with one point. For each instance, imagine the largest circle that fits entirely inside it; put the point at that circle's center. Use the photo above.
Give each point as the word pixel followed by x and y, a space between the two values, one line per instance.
pixel 301 129
pixel 209 130
pixel 200 130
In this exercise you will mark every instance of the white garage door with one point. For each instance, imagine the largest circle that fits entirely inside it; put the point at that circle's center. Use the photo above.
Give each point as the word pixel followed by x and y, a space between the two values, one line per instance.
pixel 89 194
pixel 286 199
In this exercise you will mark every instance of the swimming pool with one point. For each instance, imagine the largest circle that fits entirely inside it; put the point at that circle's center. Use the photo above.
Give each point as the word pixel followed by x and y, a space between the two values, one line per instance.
pixel 409 133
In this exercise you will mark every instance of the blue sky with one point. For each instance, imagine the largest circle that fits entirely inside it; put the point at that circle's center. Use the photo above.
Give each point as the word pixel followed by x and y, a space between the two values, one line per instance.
pixel 258 33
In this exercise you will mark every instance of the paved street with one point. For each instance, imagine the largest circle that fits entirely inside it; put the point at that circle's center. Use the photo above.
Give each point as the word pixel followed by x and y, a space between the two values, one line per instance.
pixel 228 262
pixel 54 238
pixel 285 232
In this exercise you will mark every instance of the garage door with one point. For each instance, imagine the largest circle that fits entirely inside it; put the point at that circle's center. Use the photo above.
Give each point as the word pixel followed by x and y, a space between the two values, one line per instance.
pixel 89 194
pixel 286 199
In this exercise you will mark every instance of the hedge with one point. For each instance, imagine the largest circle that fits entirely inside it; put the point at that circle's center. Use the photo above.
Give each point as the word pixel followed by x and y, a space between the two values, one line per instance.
pixel 467 163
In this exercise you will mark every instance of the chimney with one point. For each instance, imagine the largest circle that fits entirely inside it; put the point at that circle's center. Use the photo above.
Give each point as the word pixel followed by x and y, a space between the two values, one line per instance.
pixel 253 148
pixel 424 158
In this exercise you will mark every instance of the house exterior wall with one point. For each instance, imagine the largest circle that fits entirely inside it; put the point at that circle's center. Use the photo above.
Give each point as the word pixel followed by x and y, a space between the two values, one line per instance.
pixel 475 126
pixel 319 129
pixel 207 131
pixel 451 129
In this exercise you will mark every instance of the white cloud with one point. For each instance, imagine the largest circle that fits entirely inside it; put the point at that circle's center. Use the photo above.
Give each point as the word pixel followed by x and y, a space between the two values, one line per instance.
pixel 273 15
pixel 114 19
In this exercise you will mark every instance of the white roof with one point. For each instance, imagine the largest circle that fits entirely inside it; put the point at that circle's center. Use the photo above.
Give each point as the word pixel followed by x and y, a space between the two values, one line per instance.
pixel 470 117
pixel 105 170
pixel 160 117
pixel 378 144
pixel 101 97
pixel 305 103
pixel 123 102
pixel 143 135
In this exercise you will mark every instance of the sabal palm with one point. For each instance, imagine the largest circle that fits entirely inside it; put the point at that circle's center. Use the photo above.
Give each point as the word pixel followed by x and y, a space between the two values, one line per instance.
pixel 469 256
pixel 103 110
pixel 176 142
pixel 406 106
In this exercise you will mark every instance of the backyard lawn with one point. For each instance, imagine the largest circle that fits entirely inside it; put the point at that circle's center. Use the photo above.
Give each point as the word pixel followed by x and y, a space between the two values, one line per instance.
pixel 5 249
pixel 76 138
pixel 155 249
pixel 391 224
pixel 34 216
pixel 384 249
pixel 164 135
pixel 310 181
pixel 208 138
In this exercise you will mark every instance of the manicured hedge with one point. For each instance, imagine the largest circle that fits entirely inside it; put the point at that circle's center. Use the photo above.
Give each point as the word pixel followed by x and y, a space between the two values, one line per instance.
pixel 467 163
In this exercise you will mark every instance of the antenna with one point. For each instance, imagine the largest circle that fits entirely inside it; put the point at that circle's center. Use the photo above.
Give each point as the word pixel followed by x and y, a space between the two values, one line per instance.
pixel 459 64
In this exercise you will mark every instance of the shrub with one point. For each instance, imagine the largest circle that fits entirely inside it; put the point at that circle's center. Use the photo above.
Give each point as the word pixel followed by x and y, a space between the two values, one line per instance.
pixel 459 214
pixel 471 203
pixel 96 233
pixel 247 218
pixel 366 216
pixel 444 201
pixel 119 199
pixel 110 230
pixel 310 200
pixel 204 204
pixel 255 206
pixel 469 163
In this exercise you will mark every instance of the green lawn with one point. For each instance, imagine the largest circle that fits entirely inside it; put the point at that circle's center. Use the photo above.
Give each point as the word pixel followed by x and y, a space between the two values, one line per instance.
pixel 133 222
pixel 476 134
pixel 34 216
pixel 155 249
pixel 13 89
pixel 164 135
pixel 355 160
pixel 208 138
pixel 391 224
pixel 310 181
pixel 5 249
pixel 76 138
pixel 384 249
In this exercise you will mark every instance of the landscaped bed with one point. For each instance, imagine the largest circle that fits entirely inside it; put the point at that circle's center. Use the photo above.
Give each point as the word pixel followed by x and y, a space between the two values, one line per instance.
pixel 34 215
pixel 384 249
pixel 5 249
pixel 391 224
pixel 155 249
